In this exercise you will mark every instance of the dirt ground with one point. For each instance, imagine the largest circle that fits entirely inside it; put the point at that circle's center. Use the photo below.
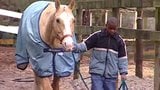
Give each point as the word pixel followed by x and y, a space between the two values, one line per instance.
pixel 13 79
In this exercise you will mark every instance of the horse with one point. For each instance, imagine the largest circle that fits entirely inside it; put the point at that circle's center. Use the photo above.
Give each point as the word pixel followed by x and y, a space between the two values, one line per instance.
pixel 44 24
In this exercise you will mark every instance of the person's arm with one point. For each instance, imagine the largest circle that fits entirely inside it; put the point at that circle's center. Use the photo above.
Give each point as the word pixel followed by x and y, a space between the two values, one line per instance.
pixel 123 60
pixel 87 44
pixel 79 47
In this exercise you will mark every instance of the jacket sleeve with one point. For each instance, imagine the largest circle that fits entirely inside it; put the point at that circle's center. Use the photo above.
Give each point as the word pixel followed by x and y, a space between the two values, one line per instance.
pixel 80 47
pixel 86 44
pixel 123 59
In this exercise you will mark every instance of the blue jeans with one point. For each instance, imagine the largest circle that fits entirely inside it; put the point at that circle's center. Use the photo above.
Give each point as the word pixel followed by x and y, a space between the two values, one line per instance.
pixel 101 83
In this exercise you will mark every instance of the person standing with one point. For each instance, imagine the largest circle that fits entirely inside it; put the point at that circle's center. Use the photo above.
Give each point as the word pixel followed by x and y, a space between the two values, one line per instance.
pixel 108 57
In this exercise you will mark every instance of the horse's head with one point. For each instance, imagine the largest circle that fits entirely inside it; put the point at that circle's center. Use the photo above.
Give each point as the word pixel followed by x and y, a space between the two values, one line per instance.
pixel 63 23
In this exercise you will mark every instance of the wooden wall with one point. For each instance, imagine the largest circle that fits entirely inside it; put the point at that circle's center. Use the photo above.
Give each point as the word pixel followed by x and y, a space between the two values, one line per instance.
pixel 103 4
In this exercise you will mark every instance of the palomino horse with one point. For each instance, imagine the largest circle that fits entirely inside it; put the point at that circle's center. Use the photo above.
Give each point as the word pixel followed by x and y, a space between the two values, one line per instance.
pixel 44 24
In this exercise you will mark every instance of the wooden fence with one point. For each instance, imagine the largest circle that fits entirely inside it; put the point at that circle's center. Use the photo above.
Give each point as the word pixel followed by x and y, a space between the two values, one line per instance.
pixel 8 33
pixel 153 36
pixel 139 35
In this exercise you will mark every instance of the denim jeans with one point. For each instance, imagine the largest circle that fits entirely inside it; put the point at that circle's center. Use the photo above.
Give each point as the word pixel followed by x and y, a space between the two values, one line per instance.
pixel 101 83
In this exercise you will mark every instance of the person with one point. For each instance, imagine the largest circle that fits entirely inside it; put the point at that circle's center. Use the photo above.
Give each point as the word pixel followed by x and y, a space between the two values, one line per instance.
pixel 108 57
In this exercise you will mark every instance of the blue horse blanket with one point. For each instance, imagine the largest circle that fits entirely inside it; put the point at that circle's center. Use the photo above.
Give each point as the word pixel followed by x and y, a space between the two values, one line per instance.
pixel 29 46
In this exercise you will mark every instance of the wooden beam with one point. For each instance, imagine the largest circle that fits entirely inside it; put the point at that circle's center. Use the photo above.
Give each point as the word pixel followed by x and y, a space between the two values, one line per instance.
pixel 156 3
pixel 116 13
pixel 8 13
pixel 7 41
pixel 157 18
pixel 139 46
pixel 157 54
pixel 157 66
pixel 104 4
pixel 131 3
pixel 79 37
pixel 147 3
pixel 149 13
pixel 125 33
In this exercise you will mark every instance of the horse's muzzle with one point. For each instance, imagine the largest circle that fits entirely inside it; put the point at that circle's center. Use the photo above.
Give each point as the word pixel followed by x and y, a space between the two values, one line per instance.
pixel 67 42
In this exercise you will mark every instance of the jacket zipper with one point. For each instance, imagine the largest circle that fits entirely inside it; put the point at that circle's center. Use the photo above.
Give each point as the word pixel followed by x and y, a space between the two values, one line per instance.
pixel 106 56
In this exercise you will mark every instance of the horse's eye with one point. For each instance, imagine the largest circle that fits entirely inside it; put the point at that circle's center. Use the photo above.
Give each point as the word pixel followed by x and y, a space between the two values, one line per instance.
pixel 57 20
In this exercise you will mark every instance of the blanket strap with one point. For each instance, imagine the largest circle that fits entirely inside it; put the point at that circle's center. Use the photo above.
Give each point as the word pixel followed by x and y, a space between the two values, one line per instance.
pixel 55 50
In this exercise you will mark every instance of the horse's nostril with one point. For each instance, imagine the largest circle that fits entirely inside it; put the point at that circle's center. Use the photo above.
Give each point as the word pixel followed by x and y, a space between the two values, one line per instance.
pixel 65 44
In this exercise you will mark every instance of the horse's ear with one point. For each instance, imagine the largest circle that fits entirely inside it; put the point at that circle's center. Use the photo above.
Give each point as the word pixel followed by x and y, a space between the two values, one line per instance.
pixel 71 4
pixel 57 4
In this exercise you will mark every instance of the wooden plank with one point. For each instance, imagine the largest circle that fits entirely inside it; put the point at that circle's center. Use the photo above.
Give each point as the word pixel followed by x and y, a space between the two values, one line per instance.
pixel 77 66
pixel 22 4
pixel 7 41
pixel 9 29
pixel 157 18
pixel 136 3
pixel 125 33
pixel 156 3
pixel 156 69
pixel 97 4
pixel 147 3
pixel 8 13
pixel 157 54
pixel 104 4
pixel 139 47
pixel 148 13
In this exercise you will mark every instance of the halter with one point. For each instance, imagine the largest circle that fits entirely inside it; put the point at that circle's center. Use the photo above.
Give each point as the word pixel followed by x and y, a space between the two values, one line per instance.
pixel 65 36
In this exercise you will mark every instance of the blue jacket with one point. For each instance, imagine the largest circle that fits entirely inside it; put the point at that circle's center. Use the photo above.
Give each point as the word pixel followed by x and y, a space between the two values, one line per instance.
pixel 29 46
pixel 108 57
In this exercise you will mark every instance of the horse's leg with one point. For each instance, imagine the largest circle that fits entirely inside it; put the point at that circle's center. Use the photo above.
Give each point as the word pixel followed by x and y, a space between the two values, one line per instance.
pixel 55 83
pixel 42 83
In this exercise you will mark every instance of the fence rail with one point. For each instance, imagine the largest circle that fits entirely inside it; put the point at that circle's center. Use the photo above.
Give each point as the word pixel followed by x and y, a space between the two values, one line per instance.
pixel 9 29
pixel 8 13
pixel 126 33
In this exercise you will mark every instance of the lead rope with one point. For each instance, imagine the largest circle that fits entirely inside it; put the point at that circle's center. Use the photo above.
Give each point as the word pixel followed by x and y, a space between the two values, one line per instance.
pixel 123 85
pixel 80 73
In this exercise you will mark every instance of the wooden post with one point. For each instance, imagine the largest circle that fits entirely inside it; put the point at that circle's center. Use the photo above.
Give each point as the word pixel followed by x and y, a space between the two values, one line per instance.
pixel 157 52
pixel 116 13
pixel 79 22
pixel 139 45
pixel 157 67
pixel 90 22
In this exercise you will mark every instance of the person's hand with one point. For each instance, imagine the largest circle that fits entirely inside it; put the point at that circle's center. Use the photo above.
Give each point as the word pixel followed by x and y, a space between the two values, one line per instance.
pixel 123 77
pixel 69 48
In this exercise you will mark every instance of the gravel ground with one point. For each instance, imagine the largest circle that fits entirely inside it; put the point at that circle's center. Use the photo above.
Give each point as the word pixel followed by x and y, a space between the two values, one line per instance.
pixel 14 79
